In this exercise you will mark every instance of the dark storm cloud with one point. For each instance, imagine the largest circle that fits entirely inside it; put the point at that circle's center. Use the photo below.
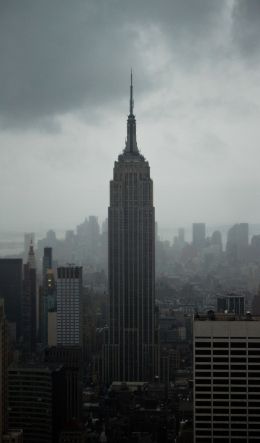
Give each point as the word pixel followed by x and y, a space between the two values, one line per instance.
pixel 58 56
pixel 246 28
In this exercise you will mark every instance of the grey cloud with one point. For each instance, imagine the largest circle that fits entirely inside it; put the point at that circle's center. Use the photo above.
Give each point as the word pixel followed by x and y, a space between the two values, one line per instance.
pixel 246 28
pixel 58 56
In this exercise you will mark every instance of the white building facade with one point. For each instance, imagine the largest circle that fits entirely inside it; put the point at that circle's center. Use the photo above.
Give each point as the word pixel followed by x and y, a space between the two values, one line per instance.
pixel 69 295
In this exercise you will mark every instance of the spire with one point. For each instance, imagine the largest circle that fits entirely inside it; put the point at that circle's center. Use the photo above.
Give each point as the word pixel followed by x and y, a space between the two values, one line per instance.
pixel 31 256
pixel 131 145
pixel 131 95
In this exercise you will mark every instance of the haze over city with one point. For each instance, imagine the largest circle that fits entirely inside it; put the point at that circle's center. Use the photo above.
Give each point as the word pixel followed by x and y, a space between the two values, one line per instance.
pixel 64 79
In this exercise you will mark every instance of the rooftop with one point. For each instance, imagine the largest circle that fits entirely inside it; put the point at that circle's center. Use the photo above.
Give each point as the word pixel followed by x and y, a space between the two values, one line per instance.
pixel 215 316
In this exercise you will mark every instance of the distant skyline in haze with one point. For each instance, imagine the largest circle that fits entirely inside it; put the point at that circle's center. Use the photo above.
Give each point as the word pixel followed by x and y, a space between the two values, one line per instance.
pixel 64 83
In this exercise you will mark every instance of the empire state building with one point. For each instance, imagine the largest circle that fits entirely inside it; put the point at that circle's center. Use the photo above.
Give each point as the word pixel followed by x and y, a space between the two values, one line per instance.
pixel 132 352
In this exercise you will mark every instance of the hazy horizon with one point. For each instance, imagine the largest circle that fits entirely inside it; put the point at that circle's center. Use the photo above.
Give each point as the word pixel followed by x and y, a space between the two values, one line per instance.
pixel 64 85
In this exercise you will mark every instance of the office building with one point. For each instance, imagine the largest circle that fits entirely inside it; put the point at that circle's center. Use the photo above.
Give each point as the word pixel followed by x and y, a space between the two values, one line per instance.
pixel 36 401
pixel 3 371
pixel 69 297
pixel 47 291
pixel 52 328
pixel 29 303
pixel 231 303
pixel 11 292
pixel 46 260
pixel 70 357
pixel 132 353
pixel 226 378
pixel 237 243
pixel 6 435
pixel 199 235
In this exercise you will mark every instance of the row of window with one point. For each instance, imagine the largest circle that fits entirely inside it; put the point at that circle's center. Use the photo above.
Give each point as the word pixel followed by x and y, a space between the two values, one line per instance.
pixel 225 344
pixel 238 373
pixel 224 381
pixel 232 388
pixel 226 352
pixel 226 418
pixel 227 396
pixel 226 433
pixel 244 404
pixel 226 425
pixel 229 412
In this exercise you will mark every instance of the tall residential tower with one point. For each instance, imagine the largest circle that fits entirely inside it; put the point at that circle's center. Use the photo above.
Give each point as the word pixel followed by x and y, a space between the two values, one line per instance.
pixel 132 353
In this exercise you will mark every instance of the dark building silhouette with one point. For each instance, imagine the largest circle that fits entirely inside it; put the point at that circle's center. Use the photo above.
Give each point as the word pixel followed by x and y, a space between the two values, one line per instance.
pixel 47 260
pixel 29 303
pixel 3 371
pixel 47 294
pixel 70 357
pixel 11 291
pixel 73 434
pixel 132 351
pixel 6 435
pixel 36 401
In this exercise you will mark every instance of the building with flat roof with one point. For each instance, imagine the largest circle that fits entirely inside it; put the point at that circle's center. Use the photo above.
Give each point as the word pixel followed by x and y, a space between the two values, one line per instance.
pixel 70 357
pixel 226 378
pixel 69 299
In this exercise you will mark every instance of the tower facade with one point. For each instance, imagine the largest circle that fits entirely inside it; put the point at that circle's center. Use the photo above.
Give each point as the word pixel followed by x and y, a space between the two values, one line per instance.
pixel 29 302
pixel 132 353
pixel 3 371
pixel 226 378
pixel 11 291
pixel 69 294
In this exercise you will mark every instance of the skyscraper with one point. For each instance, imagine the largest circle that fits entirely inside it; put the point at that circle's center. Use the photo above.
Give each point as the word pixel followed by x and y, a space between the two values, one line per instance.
pixel 132 353
pixel 11 292
pixel 3 371
pixel 69 294
pixel 48 301
pixel 37 400
pixel 199 235
pixel 70 357
pixel 237 243
pixel 6 435
pixel 29 303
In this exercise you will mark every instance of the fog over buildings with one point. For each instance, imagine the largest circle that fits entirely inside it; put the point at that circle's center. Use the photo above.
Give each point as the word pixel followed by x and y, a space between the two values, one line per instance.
pixel 63 84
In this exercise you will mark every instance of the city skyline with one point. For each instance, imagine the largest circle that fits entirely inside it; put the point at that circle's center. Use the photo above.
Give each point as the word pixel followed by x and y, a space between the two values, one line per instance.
pixel 129 259
pixel 198 100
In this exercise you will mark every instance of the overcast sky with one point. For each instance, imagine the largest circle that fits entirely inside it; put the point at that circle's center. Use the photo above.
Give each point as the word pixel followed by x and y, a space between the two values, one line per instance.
pixel 64 93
